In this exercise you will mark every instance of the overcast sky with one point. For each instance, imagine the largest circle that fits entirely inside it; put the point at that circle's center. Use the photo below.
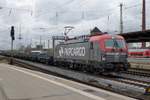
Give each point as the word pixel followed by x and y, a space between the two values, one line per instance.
pixel 45 18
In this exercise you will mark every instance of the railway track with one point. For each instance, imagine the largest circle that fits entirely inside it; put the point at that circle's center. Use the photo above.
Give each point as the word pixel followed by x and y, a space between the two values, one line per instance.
pixel 140 70
pixel 126 86
pixel 135 75
pixel 137 72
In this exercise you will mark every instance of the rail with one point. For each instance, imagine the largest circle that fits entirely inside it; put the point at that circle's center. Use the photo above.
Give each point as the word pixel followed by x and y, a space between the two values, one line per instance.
pixel 128 87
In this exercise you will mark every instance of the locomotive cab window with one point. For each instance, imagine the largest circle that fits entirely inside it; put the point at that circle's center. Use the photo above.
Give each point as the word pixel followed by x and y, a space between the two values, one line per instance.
pixel 109 43
pixel 91 45
pixel 115 43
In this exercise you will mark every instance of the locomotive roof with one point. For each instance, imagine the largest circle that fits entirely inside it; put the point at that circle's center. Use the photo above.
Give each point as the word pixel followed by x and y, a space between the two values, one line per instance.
pixel 75 41
pixel 105 36
pixel 92 38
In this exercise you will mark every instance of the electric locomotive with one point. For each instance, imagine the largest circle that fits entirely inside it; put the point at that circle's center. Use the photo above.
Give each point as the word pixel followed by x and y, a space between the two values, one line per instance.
pixel 101 52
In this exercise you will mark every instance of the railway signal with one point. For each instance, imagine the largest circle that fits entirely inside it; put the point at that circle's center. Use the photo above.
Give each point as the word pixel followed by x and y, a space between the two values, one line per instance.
pixel 12 34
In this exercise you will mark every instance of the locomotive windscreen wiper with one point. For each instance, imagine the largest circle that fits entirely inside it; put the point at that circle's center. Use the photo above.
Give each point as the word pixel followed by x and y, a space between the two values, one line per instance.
pixel 115 44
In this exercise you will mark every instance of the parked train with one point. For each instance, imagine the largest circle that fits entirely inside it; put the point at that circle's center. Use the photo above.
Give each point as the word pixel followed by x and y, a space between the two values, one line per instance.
pixel 95 53
pixel 139 53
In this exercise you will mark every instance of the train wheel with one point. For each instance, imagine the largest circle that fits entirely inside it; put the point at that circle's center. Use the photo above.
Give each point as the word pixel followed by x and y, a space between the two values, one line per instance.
pixel 90 69
pixel 96 72
pixel 71 66
pixel 84 67
pixel 125 69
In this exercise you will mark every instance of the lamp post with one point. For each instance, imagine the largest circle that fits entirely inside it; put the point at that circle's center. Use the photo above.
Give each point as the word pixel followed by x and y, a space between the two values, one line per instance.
pixel 143 20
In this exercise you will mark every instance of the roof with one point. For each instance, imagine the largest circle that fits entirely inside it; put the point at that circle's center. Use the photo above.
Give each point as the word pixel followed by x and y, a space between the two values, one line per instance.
pixel 96 31
pixel 138 36
pixel 101 37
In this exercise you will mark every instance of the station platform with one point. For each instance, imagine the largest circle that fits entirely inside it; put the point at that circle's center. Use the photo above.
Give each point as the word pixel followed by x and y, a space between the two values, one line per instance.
pixel 18 83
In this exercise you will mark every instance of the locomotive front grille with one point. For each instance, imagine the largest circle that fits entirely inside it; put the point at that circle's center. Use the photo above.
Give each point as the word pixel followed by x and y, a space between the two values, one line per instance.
pixel 116 57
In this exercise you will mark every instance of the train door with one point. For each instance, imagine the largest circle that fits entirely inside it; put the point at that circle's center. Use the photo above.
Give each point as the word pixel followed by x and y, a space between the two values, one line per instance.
pixel 94 51
pixel 91 52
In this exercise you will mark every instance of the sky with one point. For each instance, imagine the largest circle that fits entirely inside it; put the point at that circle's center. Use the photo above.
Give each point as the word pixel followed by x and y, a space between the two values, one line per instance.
pixel 45 18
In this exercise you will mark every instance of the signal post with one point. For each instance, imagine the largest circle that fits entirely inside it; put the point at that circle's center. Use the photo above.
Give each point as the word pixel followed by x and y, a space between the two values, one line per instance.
pixel 12 35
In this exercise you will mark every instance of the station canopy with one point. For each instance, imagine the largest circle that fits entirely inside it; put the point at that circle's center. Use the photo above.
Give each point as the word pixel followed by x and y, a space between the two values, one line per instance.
pixel 139 36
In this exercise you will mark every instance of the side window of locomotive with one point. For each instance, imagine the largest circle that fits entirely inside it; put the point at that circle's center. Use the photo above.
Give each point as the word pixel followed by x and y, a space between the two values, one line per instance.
pixel 91 45
pixel 109 43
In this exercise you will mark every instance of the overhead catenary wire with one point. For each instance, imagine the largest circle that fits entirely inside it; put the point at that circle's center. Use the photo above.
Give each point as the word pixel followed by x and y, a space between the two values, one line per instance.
pixel 79 11
pixel 4 30
pixel 13 8
pixel 132 6
pixel 83 12
pixel 57 14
